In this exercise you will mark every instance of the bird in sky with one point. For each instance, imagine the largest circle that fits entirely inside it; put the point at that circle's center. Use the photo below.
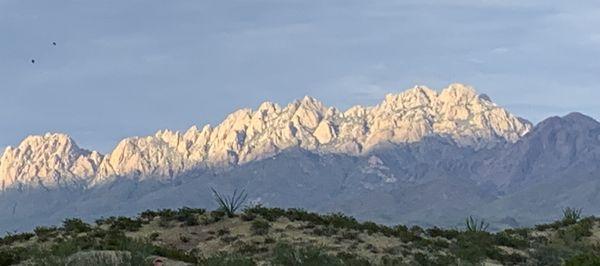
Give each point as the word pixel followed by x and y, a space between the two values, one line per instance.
pixel 33 61
pixel 54 43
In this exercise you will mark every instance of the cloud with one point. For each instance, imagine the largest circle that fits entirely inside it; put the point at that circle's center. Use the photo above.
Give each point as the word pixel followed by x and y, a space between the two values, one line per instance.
pixel 500 50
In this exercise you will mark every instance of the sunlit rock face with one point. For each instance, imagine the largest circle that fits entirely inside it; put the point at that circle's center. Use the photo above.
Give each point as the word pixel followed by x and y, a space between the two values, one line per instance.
pixel 457 113
pixel 47 161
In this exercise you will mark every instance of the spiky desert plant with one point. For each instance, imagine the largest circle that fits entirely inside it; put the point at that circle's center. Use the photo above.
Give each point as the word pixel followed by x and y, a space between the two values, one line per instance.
pixel 476 225
pixel 571 215
pixel 230 204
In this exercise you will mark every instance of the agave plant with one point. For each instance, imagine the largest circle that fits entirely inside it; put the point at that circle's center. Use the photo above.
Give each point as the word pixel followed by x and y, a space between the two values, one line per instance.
pixel 230 204
pixel 476 225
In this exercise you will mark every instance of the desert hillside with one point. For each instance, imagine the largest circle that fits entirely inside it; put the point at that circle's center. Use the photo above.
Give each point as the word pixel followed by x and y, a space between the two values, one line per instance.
pixel 273 236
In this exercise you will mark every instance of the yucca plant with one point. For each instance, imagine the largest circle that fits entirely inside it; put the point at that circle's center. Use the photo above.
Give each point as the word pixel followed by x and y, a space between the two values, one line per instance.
pixel 476 225
pixel 230 204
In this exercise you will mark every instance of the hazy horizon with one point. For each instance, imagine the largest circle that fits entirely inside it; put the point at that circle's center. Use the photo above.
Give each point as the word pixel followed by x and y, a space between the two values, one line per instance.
pixel 125 68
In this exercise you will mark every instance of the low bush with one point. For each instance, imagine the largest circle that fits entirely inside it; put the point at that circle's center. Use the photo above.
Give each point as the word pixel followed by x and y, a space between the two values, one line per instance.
pixel 522 232
pixel 473 246
pixel 285 254
pixel 349 259
pixel 225 259
pixel 509 240
pixel 405 234
pixel 12 256
pixel 44 233
pixel 260 227
pixel 10 238
pixel 271 214
pixel 325 230
pixel 76 226
pixel 392 261
pixel 121 223
pixel 247 216
pixel 577 231
pixel 444 233
pixel 586 259
pixel 251 248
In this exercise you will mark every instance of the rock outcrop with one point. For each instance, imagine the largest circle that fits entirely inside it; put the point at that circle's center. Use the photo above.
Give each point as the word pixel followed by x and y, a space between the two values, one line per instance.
pixel 457 113
pixel 48 161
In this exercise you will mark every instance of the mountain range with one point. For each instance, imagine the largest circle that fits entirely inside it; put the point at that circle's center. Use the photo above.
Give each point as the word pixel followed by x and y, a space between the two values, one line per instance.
pixel 420 156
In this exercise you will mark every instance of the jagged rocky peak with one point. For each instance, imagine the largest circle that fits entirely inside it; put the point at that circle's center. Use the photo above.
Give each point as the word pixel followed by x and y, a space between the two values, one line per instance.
pixel 48 160
pixel 457 112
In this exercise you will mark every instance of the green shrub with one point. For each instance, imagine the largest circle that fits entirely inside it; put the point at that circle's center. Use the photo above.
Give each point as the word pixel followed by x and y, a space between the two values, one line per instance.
pixel 247 216
pixel 324 230
pixel 370 227
pixel 440 243
pixel 522 232
pixel 217 214
pixel 473 246
pixel 511 259
pixel 11 256
pixel 164 222
pixel 285 254
pixel 349 259
pixel 576 232
pixel 9 238
pixel 66 248
pixel 225 259
pixel 148 215
pixel 392 261
pixel 260 227
pixel 508 240
pixel 44 233
pixel 222 232
pixel 340 220
pixel 406 235
pixel 350 235
pixel 191 221
pixel 114 240
pixel 249 248
pixel 547 255
pixel 301 215
pixel 570 216
pixel 153 236
pixel 174 254
pixel 271 214
pixel 76 226
pixel 189 216
pixel 424 259
pixel 121 223
pixel 554 225
pixel 184 238
pixel 585 259
pixel 444 233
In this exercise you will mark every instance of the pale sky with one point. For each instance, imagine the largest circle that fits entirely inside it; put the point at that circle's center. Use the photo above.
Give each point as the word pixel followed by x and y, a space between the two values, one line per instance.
pixel 130 67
